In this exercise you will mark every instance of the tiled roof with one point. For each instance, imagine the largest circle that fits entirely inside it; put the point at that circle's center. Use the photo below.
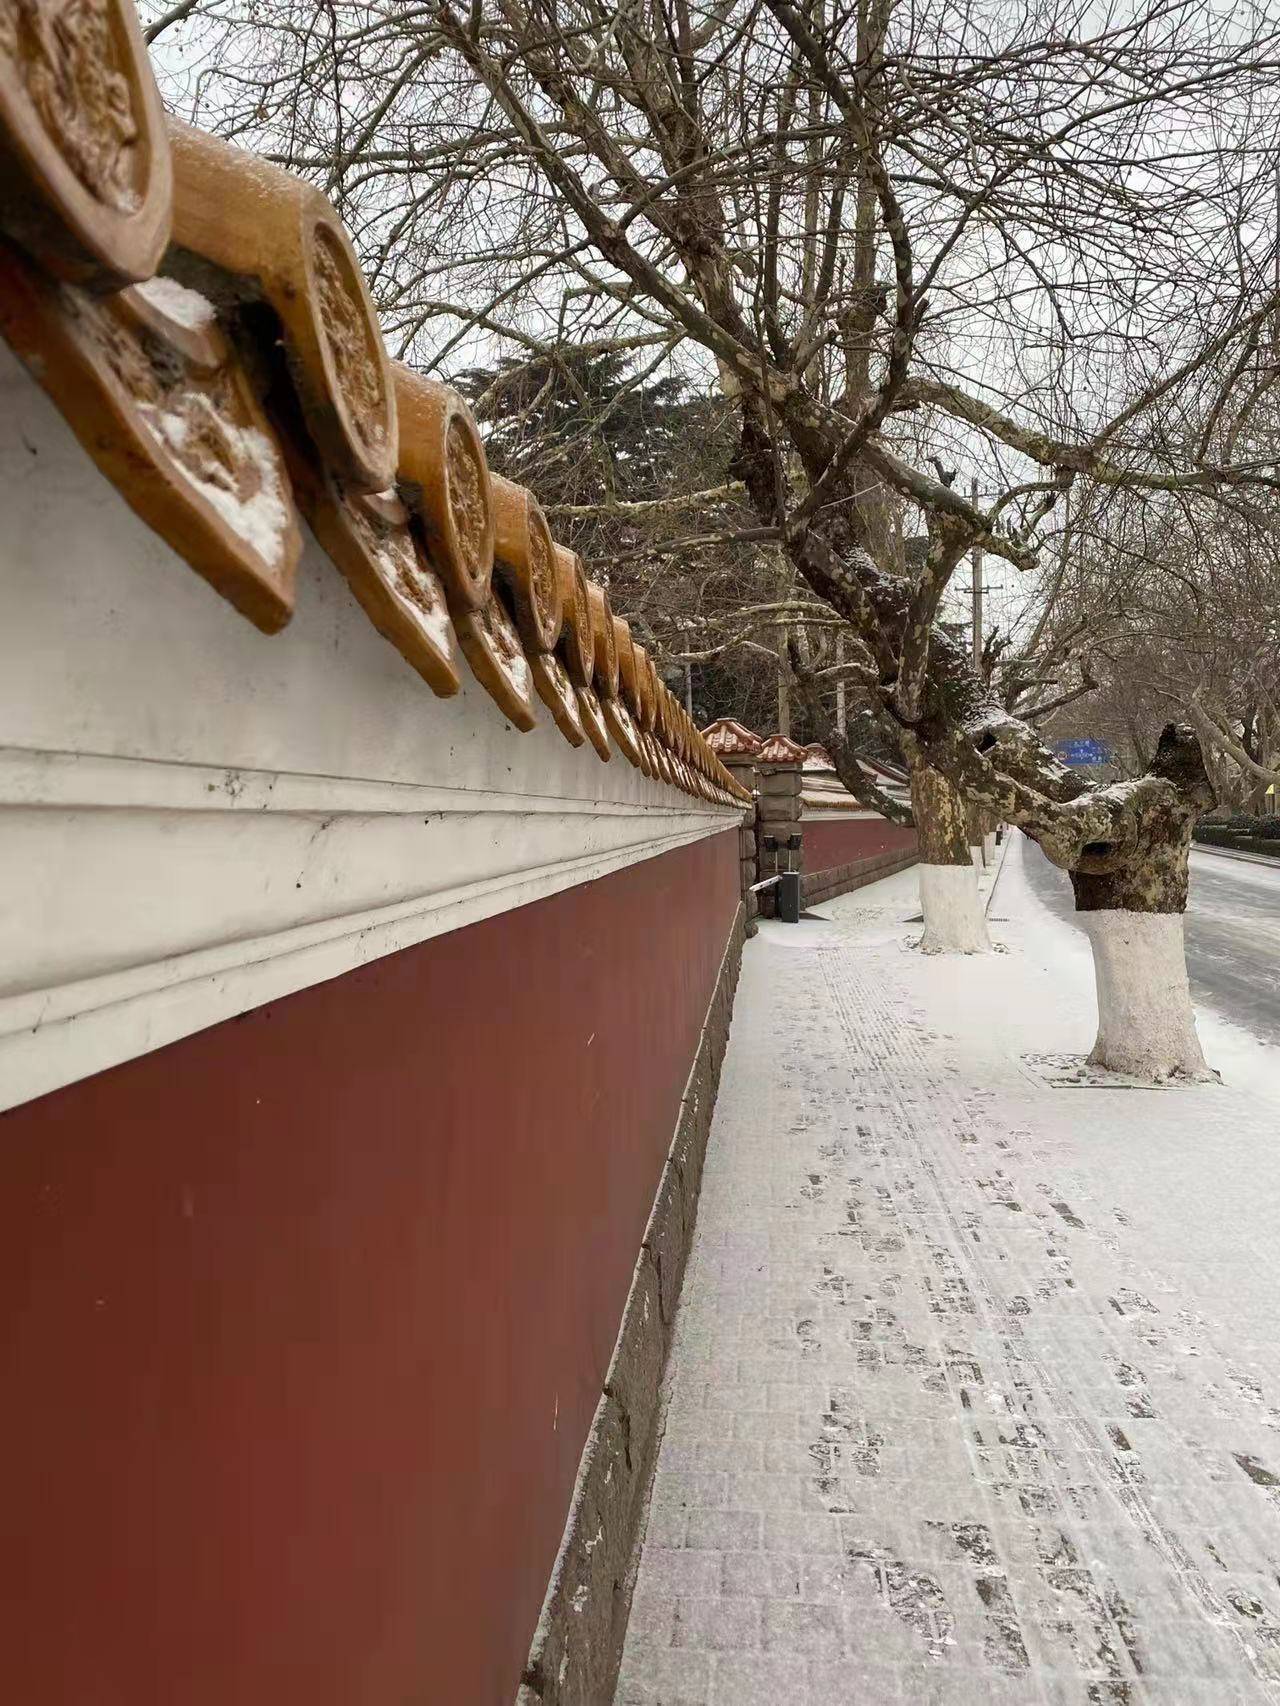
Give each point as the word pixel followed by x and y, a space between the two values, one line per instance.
pixel 780 749
pixel 247 385
pixel 823 791
pixel 816 757
pixel 726 736
pixel 837 800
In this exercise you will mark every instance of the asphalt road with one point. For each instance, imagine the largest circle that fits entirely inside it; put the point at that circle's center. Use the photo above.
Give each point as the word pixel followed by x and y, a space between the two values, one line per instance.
pixel 1233 933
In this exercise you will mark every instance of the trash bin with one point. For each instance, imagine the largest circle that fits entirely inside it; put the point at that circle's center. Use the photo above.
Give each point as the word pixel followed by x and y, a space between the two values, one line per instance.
pixel 789 897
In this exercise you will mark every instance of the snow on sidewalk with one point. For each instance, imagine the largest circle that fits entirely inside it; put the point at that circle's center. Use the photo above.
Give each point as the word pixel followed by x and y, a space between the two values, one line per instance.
pixel 976 1390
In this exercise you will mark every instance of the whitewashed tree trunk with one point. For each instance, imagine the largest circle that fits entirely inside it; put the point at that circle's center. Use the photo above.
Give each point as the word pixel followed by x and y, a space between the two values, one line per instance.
pixel 1146 1023
pixel 1132 903
pixel 989 848
pixel 954 920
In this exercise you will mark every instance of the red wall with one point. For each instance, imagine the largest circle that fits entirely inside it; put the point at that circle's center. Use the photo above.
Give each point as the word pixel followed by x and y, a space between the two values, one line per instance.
pixel 306 1316
pixel 840 842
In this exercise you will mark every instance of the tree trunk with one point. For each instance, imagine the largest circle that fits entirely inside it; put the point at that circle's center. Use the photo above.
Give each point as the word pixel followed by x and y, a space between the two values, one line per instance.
pixel 1133 915
pixel 955 725
pixel 975 837
pixel 954 922
pixel 987 835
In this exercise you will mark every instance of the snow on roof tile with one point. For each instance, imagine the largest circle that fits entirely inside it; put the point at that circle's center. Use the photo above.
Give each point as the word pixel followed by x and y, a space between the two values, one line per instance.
pixel 816 757
pixel 387 466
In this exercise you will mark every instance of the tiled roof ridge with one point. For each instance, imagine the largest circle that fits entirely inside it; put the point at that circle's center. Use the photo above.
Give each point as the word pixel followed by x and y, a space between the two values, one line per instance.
pixel 726 735
pixel 201 320
pixel 780 749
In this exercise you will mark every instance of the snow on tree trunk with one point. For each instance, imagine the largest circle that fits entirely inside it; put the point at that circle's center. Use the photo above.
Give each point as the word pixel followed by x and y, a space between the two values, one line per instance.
pixel 954 922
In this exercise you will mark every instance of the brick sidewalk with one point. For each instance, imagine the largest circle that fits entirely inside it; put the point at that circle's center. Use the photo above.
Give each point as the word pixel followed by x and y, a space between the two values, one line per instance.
pixel 976 1390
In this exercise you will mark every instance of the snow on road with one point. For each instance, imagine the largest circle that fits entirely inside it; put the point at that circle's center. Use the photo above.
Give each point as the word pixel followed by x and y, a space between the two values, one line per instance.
pixel 1234 916
pixel 976 1389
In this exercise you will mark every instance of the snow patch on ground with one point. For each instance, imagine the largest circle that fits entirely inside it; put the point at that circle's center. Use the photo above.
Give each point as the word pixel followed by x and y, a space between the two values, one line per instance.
pixel 975 1396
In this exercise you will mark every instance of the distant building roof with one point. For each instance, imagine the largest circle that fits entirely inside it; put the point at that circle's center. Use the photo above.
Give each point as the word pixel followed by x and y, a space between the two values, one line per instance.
pixel 890 772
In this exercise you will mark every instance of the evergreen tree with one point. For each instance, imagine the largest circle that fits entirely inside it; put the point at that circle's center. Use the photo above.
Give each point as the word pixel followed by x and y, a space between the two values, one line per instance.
pixel 582 426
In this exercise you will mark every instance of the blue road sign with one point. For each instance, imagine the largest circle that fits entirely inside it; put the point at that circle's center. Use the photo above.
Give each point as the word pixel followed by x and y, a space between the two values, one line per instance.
pixel 1082 752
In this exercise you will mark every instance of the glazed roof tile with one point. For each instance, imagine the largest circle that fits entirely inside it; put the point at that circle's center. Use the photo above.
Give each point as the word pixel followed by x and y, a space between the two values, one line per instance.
pixel 387 466
pixel 726 736
pixel 780 749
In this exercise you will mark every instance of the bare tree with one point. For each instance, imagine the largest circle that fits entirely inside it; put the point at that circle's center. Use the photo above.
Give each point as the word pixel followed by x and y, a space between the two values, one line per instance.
pixel 1180 609
pixel 1025 240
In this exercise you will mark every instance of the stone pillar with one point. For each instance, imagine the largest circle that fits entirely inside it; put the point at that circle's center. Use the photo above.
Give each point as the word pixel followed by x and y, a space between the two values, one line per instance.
pixel 743 770
pixel 736 748
pixel 779 766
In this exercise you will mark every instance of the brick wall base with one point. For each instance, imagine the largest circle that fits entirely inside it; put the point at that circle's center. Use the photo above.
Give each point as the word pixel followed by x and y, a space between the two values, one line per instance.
pixel 817 886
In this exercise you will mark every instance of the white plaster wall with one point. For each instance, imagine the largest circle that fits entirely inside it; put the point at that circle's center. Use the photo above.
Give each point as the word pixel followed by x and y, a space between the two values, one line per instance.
pixel 195 818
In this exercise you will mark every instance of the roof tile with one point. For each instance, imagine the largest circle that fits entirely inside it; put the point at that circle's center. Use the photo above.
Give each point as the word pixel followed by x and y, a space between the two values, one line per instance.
pixel 726 736
pixel 780 749
pixel 387 465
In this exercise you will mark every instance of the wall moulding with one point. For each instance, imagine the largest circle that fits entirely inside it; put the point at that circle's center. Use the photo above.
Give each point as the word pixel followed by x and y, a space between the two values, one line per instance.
pixel 270 883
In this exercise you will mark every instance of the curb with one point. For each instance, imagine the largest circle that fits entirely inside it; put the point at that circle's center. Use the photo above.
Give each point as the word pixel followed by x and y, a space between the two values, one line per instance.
pixel 1006 842
pixel 1232 853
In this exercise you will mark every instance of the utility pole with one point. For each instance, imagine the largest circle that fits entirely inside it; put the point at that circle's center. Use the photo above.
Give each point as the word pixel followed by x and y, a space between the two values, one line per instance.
pixel 1275 319
pixel 977 588
pixel 785 590
pixel 688 688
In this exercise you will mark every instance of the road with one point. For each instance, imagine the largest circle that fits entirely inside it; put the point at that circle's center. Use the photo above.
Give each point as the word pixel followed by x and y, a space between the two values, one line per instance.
pixel 1233 933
